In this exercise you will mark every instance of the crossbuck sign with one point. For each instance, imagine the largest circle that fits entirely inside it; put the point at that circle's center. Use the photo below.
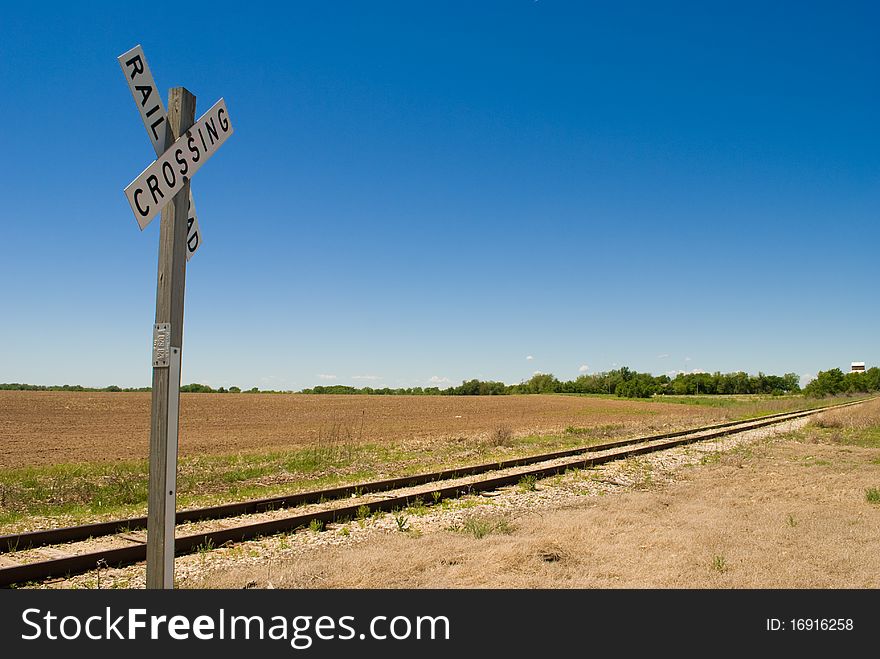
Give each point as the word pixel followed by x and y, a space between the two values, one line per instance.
pixel 149 102
pixel 182 146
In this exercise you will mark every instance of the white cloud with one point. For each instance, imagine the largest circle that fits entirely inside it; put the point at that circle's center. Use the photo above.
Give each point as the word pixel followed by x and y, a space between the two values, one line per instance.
pixel 687 359
pixel 583 368
pixel 697 370
pixel 663 356
pixel 366 377
pixel 436 379
pixel 529 358
pixel 538 373
pixel 325 376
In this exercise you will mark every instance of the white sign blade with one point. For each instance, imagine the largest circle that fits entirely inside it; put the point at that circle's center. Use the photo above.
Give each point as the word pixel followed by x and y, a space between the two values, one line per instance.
pixel 146 96
pixel 159 182
pixel 149 101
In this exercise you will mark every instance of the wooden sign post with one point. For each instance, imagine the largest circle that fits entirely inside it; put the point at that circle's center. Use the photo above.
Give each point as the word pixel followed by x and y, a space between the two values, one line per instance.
pixel 165 186
pixel 168 336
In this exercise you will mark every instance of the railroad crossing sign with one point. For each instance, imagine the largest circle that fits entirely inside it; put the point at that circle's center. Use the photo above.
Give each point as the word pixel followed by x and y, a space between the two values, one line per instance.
pixel 182 146
pixel 149 102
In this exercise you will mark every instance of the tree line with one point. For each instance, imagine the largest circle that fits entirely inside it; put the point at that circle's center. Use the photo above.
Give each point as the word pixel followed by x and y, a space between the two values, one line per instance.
pixel 18 386
pixel 194 388
pixel 622 382
pixel 835 382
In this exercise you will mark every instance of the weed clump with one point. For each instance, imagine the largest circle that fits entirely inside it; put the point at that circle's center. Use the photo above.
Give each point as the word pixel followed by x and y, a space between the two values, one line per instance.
pixel 481 526
pixel 528 483
pixel 502 436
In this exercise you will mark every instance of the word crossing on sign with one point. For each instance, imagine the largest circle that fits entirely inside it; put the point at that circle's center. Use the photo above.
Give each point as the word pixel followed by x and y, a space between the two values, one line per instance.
pixel 159 182
pixel 149 102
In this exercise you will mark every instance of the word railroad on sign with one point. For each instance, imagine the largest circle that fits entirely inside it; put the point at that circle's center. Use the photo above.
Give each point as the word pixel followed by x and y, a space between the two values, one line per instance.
pixel 182 146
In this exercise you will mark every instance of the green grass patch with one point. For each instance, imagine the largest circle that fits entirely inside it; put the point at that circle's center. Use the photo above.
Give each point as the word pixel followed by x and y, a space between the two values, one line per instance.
pixel 595 432
pixel 480 526
pixel 866 438
pixel 417 507
pixel 816 463
pixel 752 406
pixel 80 491
pixel 872 495
pixel 731 401
pixel 528 483
pixel 719 563
pixel 75 493
pixel 862 437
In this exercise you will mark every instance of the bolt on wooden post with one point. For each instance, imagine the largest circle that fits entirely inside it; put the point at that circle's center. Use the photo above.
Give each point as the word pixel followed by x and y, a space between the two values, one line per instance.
pixel 168 336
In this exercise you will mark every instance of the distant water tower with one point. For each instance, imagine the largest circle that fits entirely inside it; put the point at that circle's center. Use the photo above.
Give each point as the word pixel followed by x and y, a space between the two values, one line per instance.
pixel 857 367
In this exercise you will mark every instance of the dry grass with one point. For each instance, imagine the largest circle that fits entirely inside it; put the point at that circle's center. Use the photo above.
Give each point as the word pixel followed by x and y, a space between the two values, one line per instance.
pixel 793 514
pixel 502 436
pixel 858 418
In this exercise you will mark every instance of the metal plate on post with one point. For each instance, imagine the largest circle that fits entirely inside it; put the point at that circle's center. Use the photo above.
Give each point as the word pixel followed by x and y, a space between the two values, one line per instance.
pixel 161 345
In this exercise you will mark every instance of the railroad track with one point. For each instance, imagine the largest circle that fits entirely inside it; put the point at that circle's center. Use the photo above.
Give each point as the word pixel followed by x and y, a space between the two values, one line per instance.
pixel 123 542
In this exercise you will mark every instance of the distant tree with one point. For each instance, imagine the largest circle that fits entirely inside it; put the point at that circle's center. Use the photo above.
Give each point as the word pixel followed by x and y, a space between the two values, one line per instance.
pixel 872 378
pixel 192 388
pixel 641 385
pixel 543 383
pixel 827 383
pixel 792 382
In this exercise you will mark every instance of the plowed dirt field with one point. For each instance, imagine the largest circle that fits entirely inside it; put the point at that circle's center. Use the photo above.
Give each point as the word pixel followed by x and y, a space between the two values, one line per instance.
pixel 43 428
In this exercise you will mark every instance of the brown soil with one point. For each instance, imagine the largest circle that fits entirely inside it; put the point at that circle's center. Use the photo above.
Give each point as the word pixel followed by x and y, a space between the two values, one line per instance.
pixel 42 428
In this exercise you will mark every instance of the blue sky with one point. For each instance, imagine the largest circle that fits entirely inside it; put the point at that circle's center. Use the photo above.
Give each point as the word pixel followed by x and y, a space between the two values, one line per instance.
pixel 419 193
